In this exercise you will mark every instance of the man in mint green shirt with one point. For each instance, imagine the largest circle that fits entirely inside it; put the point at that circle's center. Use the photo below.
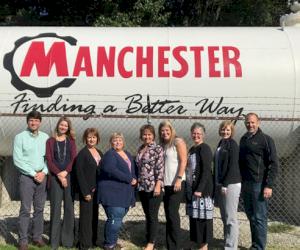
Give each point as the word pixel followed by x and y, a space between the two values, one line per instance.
pixel 29 158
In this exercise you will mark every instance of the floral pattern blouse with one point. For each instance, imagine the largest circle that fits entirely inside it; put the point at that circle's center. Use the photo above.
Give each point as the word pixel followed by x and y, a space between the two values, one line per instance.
pixel 150 164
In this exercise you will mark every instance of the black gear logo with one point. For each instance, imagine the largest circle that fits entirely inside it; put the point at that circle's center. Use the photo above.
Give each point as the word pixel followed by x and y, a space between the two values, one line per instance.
pixel 20 84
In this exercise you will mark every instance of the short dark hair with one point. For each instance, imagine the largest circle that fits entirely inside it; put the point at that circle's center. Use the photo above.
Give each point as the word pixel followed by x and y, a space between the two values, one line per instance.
pixel 147 127
pixel 92 131
pixel 34 114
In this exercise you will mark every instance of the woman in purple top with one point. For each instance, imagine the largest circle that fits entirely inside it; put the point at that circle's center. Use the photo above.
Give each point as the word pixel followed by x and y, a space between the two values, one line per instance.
pixel 60 154
pixel 150 163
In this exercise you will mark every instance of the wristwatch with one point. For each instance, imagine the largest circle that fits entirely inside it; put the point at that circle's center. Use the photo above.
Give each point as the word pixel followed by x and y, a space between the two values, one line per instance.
pixel 179 177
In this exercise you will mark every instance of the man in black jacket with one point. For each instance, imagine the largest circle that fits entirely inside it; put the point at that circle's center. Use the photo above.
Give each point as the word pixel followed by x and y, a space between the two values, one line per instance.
pixel 258 164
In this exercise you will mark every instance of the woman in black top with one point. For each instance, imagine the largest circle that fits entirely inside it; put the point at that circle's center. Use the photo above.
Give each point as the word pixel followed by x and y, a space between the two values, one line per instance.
pixel 200 189
pixel 86 169
pixel 228 183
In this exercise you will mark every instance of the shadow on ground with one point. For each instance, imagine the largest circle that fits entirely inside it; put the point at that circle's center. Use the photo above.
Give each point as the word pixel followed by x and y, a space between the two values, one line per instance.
pixel 132 233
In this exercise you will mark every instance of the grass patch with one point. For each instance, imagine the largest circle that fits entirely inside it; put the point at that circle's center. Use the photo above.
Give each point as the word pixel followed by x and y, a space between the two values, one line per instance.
pixel 31 247
pixel 280 228
pixel 280 248
pixel 7 247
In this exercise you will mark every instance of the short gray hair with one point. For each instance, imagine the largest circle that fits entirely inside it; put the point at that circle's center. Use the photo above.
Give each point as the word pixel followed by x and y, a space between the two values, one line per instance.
pixel 198 125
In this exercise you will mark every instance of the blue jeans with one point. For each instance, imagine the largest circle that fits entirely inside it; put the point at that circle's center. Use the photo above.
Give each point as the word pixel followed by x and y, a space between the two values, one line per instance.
pixel 113 224
pixel 256 208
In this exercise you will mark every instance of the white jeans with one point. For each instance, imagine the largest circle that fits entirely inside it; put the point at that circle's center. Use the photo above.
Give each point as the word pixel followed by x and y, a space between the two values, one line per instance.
pixel 228 207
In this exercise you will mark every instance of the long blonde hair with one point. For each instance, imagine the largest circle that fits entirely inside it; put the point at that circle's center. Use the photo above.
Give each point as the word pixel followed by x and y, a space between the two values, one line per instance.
pixel 167 123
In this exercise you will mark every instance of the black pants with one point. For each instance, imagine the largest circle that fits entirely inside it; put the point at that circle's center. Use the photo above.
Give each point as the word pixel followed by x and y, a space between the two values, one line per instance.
pixel 150 206
pixel 58 232
pixel 88 222
pixel 171 204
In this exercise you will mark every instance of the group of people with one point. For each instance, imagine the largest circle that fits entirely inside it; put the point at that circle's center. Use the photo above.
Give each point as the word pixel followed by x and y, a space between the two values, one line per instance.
pixel 160 172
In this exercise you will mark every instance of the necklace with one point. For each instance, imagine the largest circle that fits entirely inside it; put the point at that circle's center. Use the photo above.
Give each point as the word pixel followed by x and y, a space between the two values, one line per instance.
pixel 62 155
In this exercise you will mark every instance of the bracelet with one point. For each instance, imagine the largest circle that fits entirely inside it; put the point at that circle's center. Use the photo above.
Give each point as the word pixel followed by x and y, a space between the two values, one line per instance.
pixel 179 177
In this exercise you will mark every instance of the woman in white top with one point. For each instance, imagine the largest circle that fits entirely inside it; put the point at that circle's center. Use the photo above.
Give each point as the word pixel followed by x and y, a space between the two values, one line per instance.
pixel 175 165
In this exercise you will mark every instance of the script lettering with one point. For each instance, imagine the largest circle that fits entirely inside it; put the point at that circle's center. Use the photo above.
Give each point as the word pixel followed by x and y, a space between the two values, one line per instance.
pixel 22 104
pixel 158 106
pixel 132 104
pixel 218 107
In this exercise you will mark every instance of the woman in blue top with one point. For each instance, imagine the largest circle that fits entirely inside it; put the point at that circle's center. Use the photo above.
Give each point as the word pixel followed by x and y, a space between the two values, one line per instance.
pixel 116 187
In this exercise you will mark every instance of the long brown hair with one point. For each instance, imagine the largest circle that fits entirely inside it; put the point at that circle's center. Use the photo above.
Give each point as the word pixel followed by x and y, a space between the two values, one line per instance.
pixel 70 133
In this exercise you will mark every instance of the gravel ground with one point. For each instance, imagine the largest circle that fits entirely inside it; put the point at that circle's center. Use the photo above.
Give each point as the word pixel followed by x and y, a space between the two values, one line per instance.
pixel 132 235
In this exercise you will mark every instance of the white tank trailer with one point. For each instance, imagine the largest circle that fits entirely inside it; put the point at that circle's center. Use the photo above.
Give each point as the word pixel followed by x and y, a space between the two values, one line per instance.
pixel 116 75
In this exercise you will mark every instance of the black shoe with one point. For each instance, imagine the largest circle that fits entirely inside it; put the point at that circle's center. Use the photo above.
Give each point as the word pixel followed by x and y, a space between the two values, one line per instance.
pixel 39 243
pixel 23 246
pixel 108 248
pixel 81 247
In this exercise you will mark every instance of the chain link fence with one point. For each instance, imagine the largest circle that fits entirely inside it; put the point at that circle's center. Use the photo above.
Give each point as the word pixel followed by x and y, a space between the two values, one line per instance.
pixel 284 206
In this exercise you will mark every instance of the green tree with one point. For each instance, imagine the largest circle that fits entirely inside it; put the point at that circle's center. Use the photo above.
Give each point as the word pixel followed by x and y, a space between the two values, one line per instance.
pixel 253 13
pixel 195 13
pixel 4 13
pixel 140 13
pixel 143 12
pixel 226 12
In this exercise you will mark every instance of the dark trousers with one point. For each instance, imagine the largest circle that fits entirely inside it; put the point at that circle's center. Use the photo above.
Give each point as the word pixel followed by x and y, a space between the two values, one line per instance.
pixel 31 193
pixel 61 232
pixel 88 221
pixel 171 204
pixel 150 206
pixel 256 208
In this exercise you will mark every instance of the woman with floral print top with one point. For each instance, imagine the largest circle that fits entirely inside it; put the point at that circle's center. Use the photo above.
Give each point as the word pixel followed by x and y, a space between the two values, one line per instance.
pixel 150 162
